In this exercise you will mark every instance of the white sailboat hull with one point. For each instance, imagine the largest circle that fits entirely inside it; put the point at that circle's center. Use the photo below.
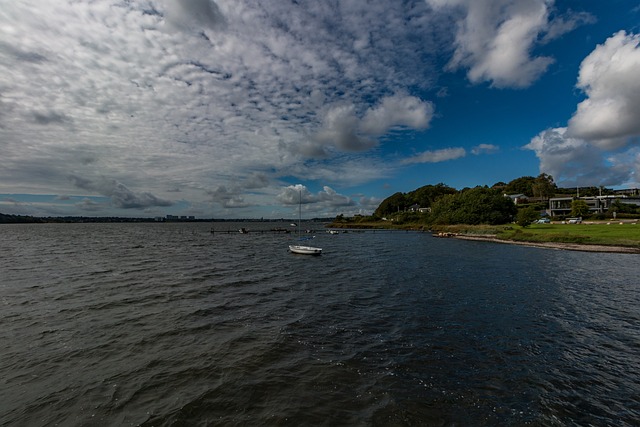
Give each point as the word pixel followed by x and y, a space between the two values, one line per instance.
pixel 305 250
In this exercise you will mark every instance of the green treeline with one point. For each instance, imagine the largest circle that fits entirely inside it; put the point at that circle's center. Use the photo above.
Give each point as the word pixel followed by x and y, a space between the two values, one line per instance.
pixel 479 205
pixel 443 205
pixel 436 196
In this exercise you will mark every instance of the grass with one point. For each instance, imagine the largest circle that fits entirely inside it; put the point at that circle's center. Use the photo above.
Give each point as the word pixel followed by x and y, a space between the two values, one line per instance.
pixel 613 234
pixel 596 233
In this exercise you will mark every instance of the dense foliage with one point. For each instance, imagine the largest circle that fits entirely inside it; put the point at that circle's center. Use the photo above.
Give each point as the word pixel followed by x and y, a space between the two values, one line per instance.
pixel 423 197
pixel 526 216
pixel 395 203
pixel 426 196
pixel 623 208
pixel 542 186
pixel 478 205
pixel 579 208
pixel 483 205
pixel 522 185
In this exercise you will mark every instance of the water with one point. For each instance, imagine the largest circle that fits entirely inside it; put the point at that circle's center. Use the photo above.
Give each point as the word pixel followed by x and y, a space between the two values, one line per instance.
pixel 167 324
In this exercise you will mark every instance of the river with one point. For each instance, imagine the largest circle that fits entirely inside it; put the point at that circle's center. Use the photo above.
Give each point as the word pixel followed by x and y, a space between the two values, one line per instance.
pixel 170 324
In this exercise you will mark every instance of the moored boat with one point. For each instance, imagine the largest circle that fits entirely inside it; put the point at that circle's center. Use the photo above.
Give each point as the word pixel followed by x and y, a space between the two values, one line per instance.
pixel 302 249
pixel 305 250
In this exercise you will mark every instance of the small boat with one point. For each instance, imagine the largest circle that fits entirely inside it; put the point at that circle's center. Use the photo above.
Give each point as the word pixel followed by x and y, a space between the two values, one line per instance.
pixel 243 230
pixel 303 249
pixel 333 232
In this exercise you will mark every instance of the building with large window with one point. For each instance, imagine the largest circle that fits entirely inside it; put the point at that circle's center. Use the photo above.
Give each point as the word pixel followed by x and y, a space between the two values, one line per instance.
pixel 561 206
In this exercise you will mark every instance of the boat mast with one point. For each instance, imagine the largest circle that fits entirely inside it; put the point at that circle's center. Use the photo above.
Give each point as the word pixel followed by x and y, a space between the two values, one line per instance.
pixel 299 213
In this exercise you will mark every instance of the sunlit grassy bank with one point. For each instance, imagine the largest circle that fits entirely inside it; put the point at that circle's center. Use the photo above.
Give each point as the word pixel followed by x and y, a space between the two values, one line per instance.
pixel 612 234
pixel 625 234
pixel 608 234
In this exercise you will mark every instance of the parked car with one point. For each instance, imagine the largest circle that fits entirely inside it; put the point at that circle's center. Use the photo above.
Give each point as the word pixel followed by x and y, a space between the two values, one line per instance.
pixel 574 220
pixel 544 221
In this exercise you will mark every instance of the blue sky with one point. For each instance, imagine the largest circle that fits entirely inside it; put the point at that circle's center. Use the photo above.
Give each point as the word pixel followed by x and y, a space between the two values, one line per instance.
pixel 230 109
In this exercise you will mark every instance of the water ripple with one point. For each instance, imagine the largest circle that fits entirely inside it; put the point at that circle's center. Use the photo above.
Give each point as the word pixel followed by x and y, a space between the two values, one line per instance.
pixel 165 324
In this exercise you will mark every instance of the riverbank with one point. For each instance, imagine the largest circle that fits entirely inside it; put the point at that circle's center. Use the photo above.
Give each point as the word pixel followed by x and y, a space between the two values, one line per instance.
pixel 592 236
pixel 552 245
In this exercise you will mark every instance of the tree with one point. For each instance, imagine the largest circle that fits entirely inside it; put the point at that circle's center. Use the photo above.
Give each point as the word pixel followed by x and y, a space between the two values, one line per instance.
pixel 392 204
pixel 619 207
pixel 473 206
pixel 579 208
pixel 427 195
pixel 543 186
pixel 522 185
pixel 526 216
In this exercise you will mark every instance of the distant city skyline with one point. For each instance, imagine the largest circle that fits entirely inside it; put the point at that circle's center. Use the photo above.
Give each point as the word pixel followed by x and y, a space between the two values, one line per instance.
pixel 232 109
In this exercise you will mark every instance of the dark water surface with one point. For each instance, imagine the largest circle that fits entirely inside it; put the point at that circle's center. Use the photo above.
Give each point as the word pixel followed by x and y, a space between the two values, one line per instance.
pixel 167 324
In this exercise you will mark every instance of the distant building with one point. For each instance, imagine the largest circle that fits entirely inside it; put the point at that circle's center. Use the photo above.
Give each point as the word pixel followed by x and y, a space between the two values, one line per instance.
pixel 416 208
pixel 561 206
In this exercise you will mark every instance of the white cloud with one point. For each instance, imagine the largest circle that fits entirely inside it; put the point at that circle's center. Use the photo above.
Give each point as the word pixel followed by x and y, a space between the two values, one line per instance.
pixel 436 156
pixel 484 149
pixel 575 162
pixel 609 76
pixel 590 150
pixel 344 130
pixel 495 38
pixel 324 202
pixel 397 110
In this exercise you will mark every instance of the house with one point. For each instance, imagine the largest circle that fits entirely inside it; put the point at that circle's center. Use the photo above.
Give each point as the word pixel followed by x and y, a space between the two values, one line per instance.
pixel 561 206
pixel 416 208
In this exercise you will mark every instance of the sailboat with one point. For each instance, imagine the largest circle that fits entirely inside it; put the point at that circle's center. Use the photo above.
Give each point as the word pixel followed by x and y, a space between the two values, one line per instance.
pixel 302 249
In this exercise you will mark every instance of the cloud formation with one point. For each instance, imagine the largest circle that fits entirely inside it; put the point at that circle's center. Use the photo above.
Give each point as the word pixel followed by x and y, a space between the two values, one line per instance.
pixel 609 76
pixel 446 154
pixel 484 149
pixel 591 149
pixel 121 196
pixel 344 130
pixel 224 103
pixel 575 162
pixel 495 39
pixel 326 200
pixel 170 95
pixel 436 156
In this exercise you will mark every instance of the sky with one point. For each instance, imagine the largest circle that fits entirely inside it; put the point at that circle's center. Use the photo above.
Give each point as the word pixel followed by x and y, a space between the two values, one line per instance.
pixel 244 109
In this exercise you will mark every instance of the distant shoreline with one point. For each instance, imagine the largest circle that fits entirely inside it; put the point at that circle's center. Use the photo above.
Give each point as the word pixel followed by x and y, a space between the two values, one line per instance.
pixel 553 245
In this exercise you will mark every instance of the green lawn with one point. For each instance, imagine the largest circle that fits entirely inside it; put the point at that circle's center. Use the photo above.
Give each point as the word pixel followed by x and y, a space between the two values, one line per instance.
pixel 613 234
pixel 601 233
